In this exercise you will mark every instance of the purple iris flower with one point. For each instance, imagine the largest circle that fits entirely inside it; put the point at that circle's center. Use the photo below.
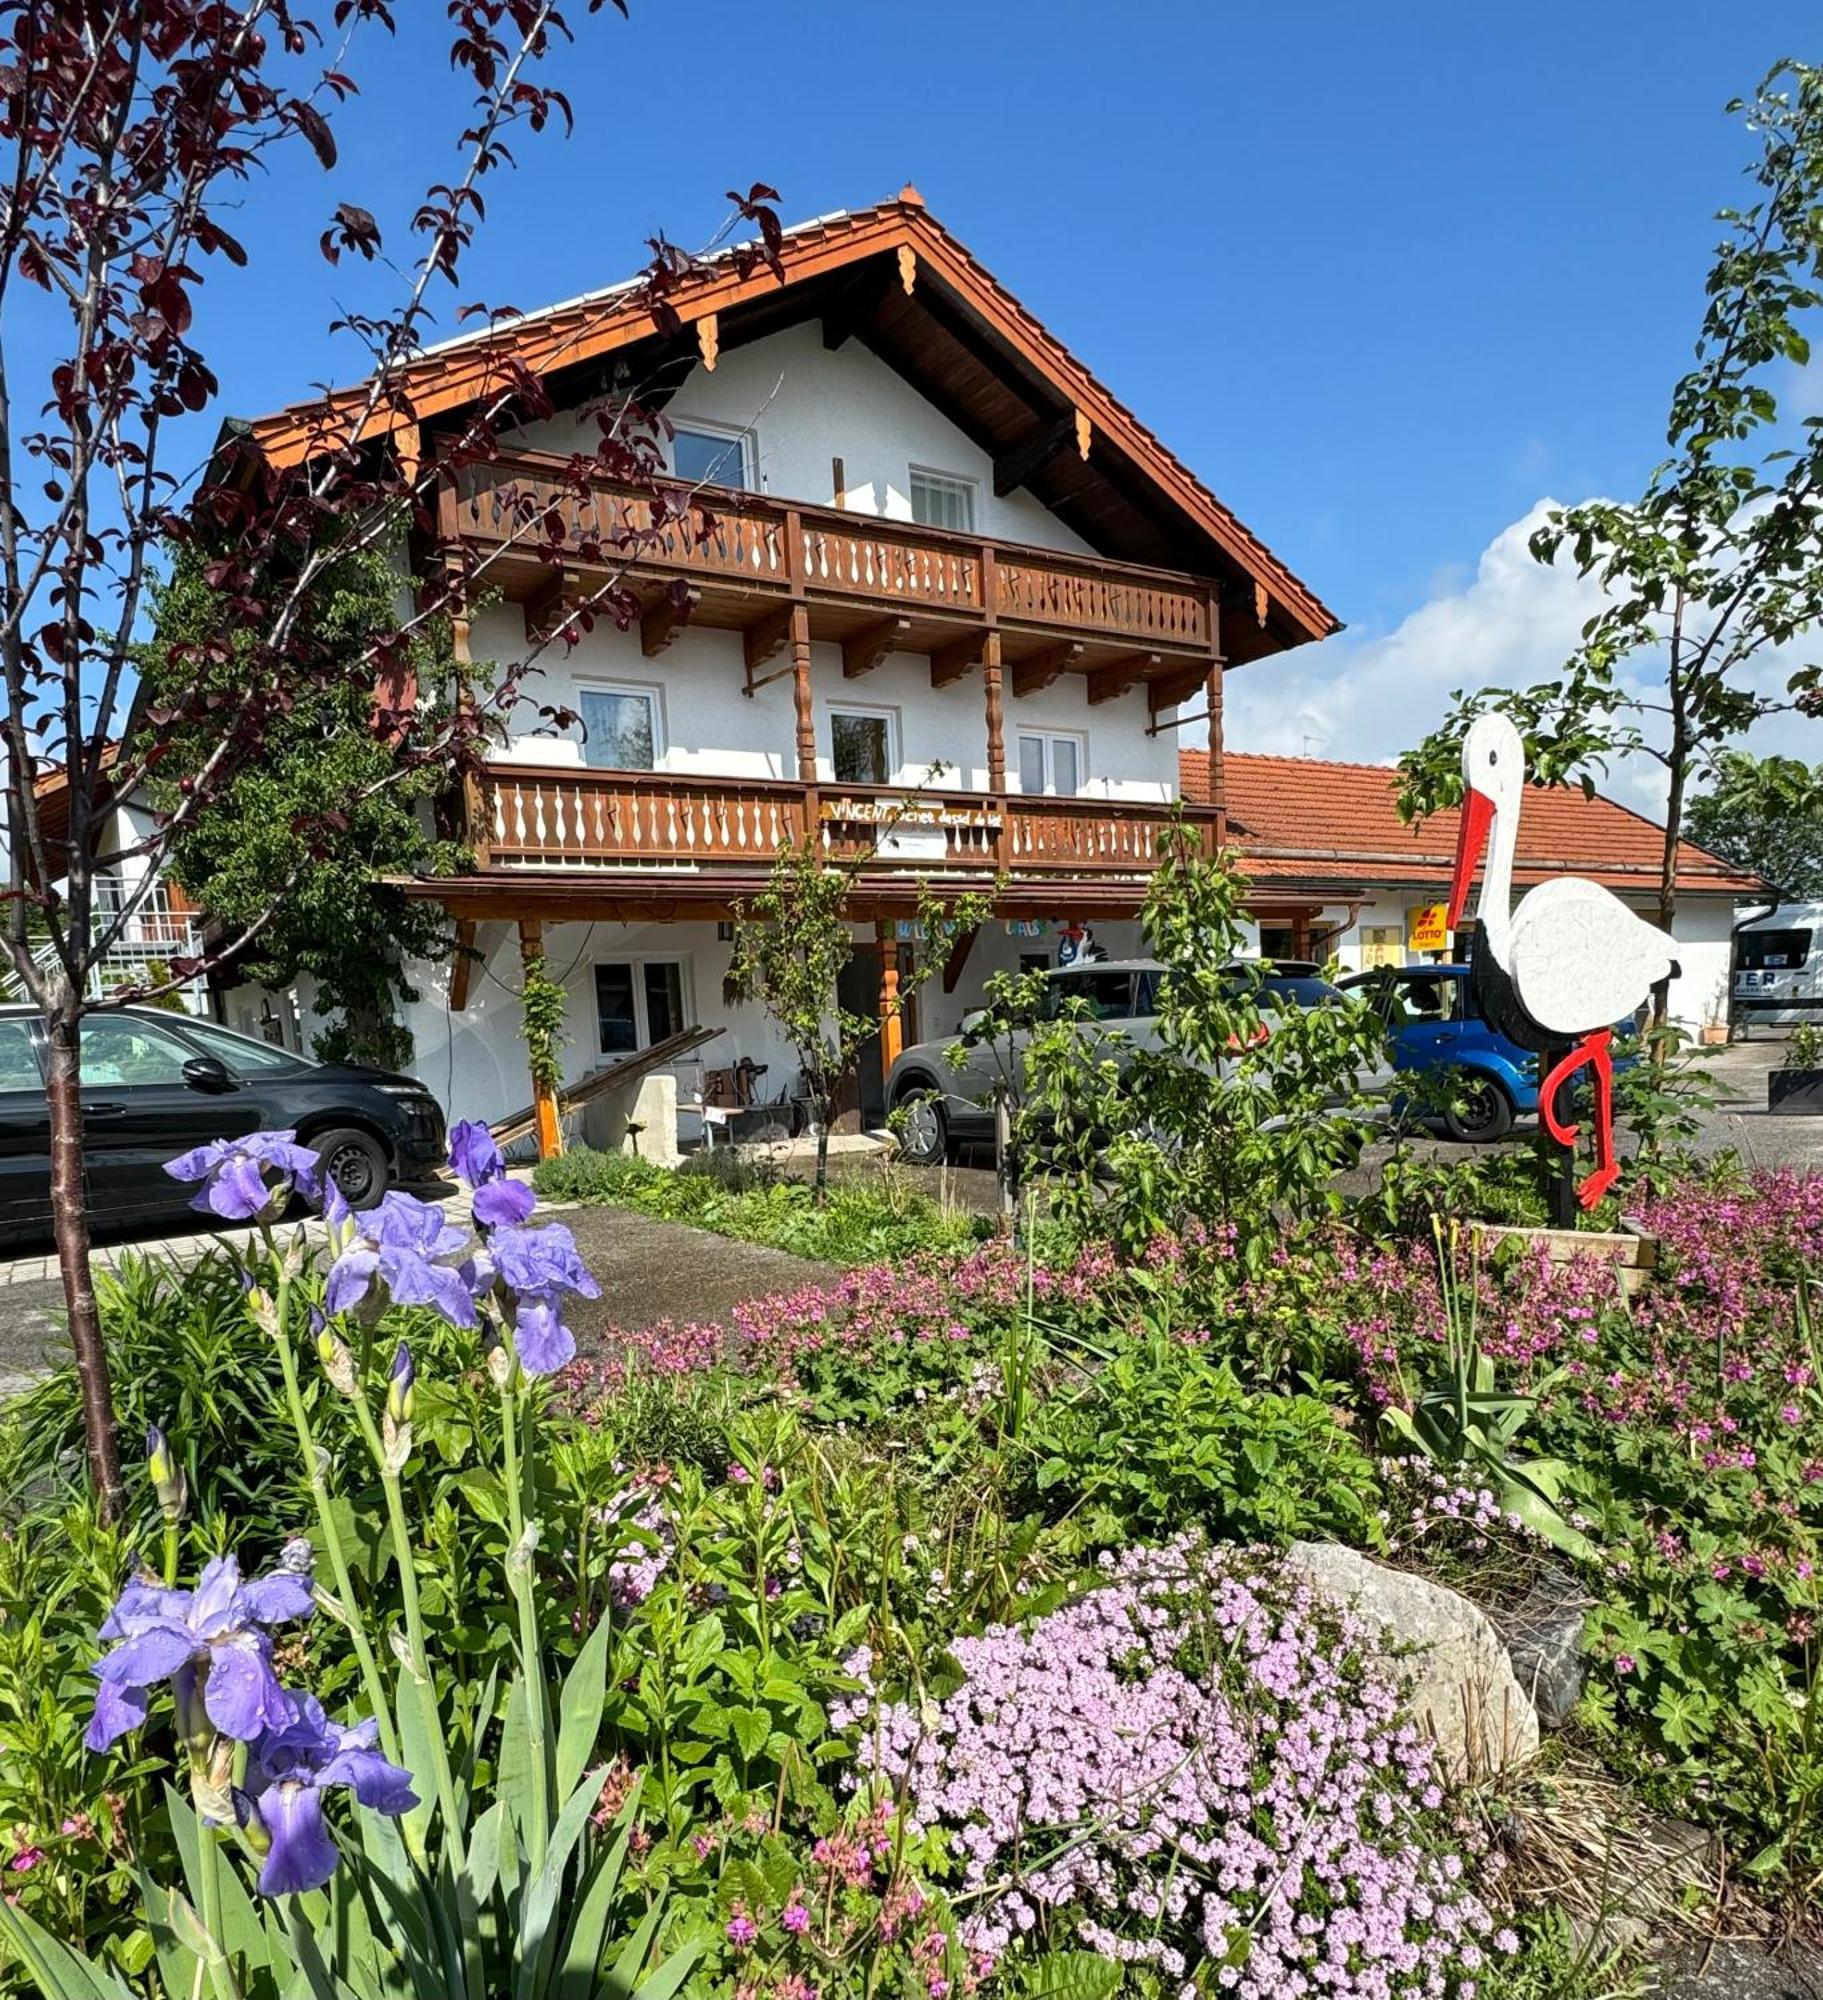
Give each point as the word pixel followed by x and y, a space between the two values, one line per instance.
pixel 293 1765
pixel 499 1202
pixel 409 1247
pixel 537 1266
pixel 245 1178
pixel 210 1640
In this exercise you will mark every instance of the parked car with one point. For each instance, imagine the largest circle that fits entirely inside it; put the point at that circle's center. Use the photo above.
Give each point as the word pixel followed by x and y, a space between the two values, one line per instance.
pixel 154 1084
pixel 945 1106
pixel 1433 1025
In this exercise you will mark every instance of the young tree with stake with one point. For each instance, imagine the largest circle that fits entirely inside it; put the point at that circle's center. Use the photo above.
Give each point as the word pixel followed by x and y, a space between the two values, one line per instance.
pixel 131 136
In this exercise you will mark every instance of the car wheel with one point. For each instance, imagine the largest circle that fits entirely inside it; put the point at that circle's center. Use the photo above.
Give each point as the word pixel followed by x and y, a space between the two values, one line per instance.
pixel 1482 1112
pixel 924 1130
pixel 355 1162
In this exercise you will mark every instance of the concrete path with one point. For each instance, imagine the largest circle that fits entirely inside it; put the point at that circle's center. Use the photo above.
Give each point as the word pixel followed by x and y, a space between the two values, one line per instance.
pixel 647 1269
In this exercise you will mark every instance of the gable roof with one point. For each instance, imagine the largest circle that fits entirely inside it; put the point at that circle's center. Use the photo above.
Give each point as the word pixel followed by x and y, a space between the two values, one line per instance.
pixel 1337 826
pixel 895 278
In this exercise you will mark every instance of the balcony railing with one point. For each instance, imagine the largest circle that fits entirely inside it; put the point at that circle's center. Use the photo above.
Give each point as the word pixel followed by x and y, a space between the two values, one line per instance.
pixel 662 821
pixel 742 547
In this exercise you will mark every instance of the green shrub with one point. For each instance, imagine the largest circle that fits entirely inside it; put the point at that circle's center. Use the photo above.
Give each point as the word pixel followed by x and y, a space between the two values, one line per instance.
pixel 854 1224
pixel 1164 1438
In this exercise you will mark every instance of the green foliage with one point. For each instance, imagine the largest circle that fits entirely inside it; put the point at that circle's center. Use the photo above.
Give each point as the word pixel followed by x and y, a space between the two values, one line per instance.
pixel 299 842
pixel 1661 1099
pixel 1764 815
pixel 1165 1437
pixel 1240 1118
pixel 1720 559
pixel 542 1002
pixel 854 1224
pixel 789 951
pixel 1804 1047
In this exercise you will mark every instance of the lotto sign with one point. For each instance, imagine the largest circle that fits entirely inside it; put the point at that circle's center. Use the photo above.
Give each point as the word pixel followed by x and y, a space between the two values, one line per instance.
pixel 1428 929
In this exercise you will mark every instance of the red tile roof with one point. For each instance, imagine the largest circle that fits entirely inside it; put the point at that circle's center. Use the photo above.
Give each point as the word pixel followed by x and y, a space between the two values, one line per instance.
pixel 1337 826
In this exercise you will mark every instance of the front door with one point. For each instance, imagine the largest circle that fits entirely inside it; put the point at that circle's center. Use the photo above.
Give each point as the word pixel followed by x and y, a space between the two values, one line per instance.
pixel 860 1103
pixel 138 1112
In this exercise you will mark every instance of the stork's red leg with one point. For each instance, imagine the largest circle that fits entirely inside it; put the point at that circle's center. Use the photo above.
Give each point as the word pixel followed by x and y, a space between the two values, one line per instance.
pixel 1607 1169
pixel 1594 1051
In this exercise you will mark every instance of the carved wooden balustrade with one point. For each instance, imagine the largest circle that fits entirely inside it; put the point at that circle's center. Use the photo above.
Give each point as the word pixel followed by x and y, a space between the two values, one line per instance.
pixel 522 515
pixel 570 817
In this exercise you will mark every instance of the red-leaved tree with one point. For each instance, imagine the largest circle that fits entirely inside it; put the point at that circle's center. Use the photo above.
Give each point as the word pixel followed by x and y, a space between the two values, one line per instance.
pixel 134 136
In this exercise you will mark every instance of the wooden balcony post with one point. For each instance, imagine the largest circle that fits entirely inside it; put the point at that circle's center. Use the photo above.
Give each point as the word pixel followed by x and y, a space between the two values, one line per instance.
pixel 892 1023
pixel 1218 778
pixel 996 739
pixel 806 716
pixel 544 1098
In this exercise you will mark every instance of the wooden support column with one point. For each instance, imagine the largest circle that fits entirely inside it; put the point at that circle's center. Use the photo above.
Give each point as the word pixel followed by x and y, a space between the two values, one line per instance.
pixel 806 718
pixel 996 742
pixel 892 1024
pixel 462 964
pixel 544 1099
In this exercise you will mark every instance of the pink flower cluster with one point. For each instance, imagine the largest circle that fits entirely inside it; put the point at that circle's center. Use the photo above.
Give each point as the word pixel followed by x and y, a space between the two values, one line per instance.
pixel 1193 1761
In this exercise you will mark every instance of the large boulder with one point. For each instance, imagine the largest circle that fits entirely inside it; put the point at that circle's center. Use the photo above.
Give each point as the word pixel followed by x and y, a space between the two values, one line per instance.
pixel 1464 1689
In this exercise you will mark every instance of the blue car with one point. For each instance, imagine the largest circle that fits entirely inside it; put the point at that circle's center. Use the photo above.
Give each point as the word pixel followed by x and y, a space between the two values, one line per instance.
pixel 1432 1024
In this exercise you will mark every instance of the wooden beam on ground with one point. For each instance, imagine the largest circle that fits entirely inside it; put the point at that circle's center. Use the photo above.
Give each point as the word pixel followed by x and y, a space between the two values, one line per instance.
pixel 958 956
pixel 1013 468
pixel 461 972
pixel 617 1075
pixel 763 638
pixel 866 649
pixel 1043 668
pixel 663 621
pixel 1109 683
pixel 948 664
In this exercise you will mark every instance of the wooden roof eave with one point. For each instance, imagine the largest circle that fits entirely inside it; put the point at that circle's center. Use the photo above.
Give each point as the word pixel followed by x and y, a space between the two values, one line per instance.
pixel 452 376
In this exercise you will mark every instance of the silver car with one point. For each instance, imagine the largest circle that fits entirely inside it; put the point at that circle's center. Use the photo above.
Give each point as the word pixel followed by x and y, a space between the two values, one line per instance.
pixel 944 1106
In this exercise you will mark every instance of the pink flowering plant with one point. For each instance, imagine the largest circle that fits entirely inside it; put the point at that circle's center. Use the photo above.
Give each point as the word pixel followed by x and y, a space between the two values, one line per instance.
pixel 1194 1771
pixel 1690 1419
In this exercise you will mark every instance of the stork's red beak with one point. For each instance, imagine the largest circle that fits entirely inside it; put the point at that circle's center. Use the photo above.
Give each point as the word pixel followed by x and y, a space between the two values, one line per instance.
pixel 1477 811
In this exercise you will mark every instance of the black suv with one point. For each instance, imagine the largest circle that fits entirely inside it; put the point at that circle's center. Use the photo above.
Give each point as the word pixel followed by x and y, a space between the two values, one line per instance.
pixel 154 1084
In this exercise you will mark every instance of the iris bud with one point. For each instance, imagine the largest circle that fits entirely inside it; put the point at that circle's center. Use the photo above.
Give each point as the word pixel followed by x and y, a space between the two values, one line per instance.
pixel 167 1476
pixel 401 1389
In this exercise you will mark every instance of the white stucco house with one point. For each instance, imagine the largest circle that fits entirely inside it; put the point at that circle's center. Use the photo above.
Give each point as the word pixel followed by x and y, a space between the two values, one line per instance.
pixel 938 576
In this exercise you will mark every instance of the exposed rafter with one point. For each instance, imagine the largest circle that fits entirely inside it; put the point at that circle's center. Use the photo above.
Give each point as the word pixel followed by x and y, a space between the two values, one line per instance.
pixel 1167 690
pixel 762 639
pixel 866 649
pixel 548 606
pixel 664 620
pixel 961 656
pixel 853 303
pixel 1043 668
pixel 1014 468
pixel 1109 683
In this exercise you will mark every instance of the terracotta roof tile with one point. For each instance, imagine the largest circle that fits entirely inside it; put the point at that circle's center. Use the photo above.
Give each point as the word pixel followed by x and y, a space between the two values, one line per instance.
pixel 1337 825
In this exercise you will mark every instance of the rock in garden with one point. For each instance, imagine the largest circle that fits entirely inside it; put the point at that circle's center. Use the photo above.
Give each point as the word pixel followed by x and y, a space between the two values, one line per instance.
pixel 1543 1634
pixel 1463 1686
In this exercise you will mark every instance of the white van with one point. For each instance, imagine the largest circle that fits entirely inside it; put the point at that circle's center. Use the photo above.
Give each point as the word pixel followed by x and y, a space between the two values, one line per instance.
pixel 1778 967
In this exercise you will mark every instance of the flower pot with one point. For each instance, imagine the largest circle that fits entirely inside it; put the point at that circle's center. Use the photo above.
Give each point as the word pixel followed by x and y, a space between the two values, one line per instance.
pixel 1715 1035
pixel 1795 1093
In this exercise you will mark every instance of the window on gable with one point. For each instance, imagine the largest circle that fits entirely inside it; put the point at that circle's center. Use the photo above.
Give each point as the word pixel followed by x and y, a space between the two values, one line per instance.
pixel 704 454
pixel 942 500
pixel 1050 761
pixel 861 750
pixel 620 728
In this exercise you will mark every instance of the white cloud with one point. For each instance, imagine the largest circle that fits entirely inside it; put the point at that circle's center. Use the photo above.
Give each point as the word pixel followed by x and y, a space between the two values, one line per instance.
pixel 1365 696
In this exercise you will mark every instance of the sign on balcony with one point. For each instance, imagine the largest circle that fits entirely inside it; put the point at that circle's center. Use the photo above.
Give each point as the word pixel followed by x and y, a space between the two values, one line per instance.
pixel 914 840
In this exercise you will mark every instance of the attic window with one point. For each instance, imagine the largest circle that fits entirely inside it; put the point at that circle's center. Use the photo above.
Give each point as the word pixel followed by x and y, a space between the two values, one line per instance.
pixel 706 455
pixel 942 500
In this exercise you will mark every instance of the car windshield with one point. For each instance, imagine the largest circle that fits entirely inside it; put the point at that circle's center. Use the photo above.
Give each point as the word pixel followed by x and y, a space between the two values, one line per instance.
pixel 241 1055
pixel 1275 992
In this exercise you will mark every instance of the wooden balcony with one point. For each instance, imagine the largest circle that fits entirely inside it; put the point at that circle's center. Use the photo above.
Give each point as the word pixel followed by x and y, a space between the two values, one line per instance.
pixel 662 827
pixel 872 586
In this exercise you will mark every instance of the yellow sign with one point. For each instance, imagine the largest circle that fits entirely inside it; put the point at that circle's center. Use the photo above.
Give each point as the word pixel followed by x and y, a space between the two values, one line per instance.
pixel 1428 929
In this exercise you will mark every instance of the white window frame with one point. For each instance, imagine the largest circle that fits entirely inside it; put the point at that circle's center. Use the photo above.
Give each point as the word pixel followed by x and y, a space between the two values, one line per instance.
pixel 1048 737
pixel 956 482
pixel 874 711
pixel 642 1024
pixel 741 434
pixel 649 691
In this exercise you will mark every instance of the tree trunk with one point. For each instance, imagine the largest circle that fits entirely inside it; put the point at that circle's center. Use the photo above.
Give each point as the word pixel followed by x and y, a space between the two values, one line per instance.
pixel 70 1224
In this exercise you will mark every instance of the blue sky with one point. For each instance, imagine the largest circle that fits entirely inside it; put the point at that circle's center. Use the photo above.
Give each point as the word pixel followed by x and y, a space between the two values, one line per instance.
pixel 1386 277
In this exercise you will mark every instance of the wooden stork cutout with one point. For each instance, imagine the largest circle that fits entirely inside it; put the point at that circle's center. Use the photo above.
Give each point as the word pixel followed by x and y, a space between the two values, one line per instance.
pixel 1565 965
